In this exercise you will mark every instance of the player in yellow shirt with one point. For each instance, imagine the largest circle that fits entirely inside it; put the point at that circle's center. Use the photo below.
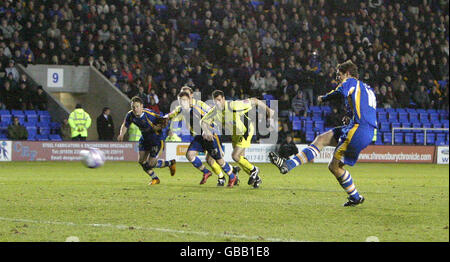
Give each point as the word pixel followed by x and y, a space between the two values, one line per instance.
pixel 233 116
pixel 191 111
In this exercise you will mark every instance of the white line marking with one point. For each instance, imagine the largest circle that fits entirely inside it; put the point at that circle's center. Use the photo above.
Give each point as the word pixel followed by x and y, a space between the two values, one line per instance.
pixel 165 230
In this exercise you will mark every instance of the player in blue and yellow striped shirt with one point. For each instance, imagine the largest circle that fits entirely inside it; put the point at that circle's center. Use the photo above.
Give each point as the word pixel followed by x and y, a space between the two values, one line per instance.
pixel 349 139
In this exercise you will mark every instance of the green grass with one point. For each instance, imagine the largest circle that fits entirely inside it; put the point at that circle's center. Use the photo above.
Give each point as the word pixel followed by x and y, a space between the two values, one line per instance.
pixel 51 201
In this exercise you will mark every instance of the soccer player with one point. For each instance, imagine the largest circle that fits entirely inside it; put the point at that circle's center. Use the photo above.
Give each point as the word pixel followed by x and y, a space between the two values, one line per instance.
pixel 350 139
pixel 233 115
pixel 151 143
pixel 191 111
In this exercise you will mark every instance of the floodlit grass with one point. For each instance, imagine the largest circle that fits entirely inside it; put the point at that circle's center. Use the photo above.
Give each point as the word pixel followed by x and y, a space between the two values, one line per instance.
pixel 50 201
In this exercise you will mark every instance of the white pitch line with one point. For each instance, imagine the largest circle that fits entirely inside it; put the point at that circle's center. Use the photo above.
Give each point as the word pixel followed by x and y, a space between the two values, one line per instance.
pixel 165 230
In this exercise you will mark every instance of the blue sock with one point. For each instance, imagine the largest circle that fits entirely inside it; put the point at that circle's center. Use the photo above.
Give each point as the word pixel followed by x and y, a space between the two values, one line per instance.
pixel 347 184
pixel 162 163
pixel 153 175
pixel 307 155
pixel 227 168
pixel 197 163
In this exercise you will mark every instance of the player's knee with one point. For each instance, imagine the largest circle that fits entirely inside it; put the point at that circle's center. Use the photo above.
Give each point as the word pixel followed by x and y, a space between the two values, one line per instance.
pixel 190 155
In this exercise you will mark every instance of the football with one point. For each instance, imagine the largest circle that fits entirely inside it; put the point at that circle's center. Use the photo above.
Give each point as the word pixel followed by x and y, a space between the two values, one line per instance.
pixel 92 157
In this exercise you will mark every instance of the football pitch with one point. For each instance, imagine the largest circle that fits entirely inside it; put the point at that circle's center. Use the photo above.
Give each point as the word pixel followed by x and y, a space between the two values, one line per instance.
pixel 51 201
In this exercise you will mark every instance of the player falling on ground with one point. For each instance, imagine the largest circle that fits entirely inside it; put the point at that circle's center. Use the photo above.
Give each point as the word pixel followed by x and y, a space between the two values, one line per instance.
pixel 151 143
pixel 350 139
pixel 233 115
pixel 191 111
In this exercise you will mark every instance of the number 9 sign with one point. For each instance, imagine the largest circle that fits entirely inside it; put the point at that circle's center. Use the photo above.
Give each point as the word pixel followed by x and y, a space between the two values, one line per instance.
pixel 55 77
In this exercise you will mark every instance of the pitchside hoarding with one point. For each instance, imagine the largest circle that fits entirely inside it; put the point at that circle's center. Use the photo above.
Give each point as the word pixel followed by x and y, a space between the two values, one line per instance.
pixel 442 155
pixel 257 153
pixel 70 151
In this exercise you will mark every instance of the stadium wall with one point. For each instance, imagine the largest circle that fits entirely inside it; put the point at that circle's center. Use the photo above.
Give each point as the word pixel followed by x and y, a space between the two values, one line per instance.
pixel 257 153
pixel 69 85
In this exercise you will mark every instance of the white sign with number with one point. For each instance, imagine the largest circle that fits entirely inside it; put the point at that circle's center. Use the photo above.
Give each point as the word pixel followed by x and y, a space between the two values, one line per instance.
pixel 55 77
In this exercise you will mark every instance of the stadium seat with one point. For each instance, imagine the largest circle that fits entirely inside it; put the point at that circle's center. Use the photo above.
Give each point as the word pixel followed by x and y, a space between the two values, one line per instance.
pixel 296 125
pixel 42 137
pixel 7 119
pixel 426 125
pixel 417 125
pixel 384 126
pixel 392 116
pixel 317 115
pixel 319 124
pixel 437 125
pixel 17 113
pixel 398 138
pixel 309 125
pixel 32 118
pixel 309 136
pixel 409 138
pixel 55 137
pixel 44 118
pixel 419 138
pixel 407 125
pixel 423 117
pixel 434 117
pixel 403 117
pixel 395 125
pixel 431 138
pixel 382 116
pixel 32 130
pixel 3 136
pixel 387 138
pixel 413 117
pixel 440 139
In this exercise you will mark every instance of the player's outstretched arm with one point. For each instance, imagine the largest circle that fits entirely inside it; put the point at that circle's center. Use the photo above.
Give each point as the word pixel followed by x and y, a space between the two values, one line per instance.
pixel 123 131
pixel 262 104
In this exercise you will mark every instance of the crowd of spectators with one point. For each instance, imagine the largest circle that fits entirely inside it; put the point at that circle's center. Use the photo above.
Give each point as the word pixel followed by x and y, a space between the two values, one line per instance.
pixel 282 48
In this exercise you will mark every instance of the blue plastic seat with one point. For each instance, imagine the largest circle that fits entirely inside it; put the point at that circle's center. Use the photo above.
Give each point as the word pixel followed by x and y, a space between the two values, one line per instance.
pixel 44 118
pixel 42 137
pixel 17 113
pixel 309 136
pixel 396 125
pixel 413 117
pixel 319 124
pixel 7 119
pixel 423 117
pixel 403 117
pixel 32 130
pixel 317 115
pixel 431 138
pixel 434 117
pixel 387 138
pixel 32 118
pixel 409 138
pixel 296 125
pixel 398 138
pixel 55 137
pixel 440 139
pixel 419 138
pixel 382 116
pixel 308 125
pixel 384 126
pixel 392 116
pixel 417 125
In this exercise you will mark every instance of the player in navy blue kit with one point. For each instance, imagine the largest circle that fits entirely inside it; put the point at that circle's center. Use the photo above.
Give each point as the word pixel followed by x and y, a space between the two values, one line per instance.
pixel 350 139
pixel 151 143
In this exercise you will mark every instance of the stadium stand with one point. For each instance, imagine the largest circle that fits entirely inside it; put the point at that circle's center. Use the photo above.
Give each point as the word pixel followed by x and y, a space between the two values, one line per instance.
pixel 161 45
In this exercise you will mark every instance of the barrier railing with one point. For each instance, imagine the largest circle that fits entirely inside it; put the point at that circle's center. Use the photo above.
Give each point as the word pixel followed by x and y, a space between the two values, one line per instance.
pixel 417 128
